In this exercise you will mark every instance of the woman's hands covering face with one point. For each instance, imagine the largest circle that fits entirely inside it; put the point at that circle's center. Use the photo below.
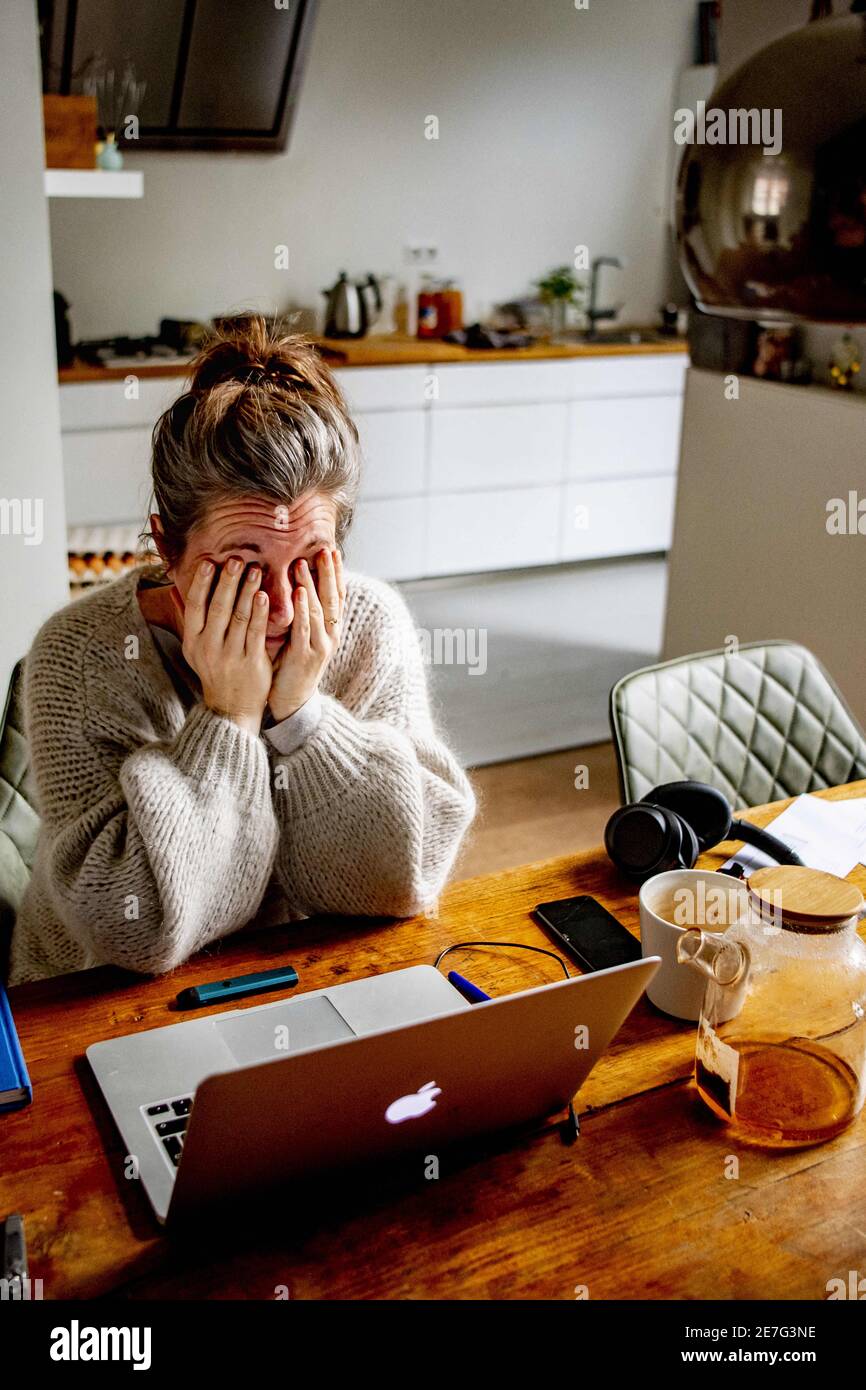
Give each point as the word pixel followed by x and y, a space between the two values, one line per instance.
pixel 318 601
pixel 224 631
pixel 224 625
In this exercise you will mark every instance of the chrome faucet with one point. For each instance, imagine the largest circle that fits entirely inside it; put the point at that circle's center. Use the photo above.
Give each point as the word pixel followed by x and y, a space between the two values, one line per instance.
pixel 593 313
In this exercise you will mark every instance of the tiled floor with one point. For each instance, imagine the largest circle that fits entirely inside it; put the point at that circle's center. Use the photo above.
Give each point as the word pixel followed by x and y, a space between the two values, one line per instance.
pixel 531 809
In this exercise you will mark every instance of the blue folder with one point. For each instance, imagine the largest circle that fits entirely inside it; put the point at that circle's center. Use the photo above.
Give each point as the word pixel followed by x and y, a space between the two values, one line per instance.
pixel 15 1088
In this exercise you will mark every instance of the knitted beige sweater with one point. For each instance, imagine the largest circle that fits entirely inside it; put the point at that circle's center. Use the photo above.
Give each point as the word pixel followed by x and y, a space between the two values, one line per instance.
pixel 164 828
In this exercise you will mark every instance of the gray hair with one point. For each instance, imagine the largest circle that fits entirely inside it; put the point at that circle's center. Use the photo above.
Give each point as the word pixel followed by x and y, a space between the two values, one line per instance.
pixel 263 417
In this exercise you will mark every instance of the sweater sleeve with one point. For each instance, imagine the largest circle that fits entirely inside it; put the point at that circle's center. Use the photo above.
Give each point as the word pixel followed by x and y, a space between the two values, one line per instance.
pixel 153 847
pixel 373 806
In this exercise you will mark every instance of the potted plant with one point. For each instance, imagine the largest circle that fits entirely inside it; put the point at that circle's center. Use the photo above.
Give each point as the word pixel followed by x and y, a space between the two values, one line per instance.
pixel 559 288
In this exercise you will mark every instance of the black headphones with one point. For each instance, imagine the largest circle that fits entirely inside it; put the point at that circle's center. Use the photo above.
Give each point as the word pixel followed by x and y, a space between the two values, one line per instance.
pixel 673 824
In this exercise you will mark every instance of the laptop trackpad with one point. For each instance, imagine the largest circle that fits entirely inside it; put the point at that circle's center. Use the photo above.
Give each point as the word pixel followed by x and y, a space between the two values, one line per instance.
pixel 266 1035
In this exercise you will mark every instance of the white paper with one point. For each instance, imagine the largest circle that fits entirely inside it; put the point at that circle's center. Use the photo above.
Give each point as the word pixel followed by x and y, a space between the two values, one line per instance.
pixel 828 835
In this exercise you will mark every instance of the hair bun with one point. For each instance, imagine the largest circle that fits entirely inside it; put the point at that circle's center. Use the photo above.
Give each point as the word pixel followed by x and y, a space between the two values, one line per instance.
pixel 218 362
pixel 247 351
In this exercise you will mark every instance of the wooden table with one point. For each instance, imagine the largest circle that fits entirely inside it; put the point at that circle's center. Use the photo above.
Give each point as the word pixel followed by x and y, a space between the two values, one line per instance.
pixel 642 1206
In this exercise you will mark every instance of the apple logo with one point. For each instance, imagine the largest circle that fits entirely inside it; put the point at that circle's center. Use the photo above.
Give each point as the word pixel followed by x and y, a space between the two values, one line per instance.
pixel 412 1106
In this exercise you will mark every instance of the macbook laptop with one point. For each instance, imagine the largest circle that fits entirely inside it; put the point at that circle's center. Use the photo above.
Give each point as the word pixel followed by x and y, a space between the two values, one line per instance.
pixel 217 1107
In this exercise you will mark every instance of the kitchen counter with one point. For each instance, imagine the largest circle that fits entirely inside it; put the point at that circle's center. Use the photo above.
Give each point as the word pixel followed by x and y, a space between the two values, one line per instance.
pixel 470 464
pixel 397 350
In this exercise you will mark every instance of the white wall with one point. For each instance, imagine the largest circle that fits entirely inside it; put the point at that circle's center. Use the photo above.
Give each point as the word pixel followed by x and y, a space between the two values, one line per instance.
pixel 752 556
pixel 32 577
pixel 555 130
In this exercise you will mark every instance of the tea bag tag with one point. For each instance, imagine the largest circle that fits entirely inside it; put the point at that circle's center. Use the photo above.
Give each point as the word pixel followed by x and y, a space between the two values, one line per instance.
pixel 722 1061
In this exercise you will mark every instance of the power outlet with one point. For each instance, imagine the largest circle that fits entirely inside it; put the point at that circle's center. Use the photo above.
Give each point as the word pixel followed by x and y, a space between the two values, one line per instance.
pixel 420 253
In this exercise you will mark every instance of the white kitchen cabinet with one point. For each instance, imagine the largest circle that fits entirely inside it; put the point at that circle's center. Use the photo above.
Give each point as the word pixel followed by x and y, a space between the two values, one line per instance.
pixel 393 445
pixel 122 404
pixel 106 476
pixel 475 531
pixel 497 446
pixel 384 388
pixel 629 516
pixel 467 466
pixel 624 438
pixel 501 383
pixel 387 538
pixel 643 375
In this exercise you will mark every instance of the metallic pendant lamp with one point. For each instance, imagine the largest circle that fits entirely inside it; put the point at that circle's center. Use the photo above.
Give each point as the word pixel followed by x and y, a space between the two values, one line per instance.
pixel 774 228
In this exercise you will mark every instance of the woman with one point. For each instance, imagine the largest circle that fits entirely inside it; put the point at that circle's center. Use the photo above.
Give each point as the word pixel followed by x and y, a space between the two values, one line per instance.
pixel 250 736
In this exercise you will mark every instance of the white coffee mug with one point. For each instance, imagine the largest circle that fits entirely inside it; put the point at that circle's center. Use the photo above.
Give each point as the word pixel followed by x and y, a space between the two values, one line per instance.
pixel 703 899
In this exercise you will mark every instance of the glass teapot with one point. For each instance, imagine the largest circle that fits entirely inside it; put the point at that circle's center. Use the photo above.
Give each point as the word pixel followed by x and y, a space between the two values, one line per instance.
pixel 781 1046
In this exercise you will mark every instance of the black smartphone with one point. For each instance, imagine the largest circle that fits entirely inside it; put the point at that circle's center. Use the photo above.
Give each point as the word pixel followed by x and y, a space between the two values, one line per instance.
pixel 588 932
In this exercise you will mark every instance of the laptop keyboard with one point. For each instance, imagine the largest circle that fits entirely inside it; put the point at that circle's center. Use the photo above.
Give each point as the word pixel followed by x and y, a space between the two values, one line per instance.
pixel 167 1121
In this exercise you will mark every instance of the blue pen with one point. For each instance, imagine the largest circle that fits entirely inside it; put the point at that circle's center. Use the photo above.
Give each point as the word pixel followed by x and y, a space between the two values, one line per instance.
pixel 467 989
pixel 218 991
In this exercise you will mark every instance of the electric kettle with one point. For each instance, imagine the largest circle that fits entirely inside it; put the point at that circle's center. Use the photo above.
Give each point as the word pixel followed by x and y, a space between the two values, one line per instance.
pixel 351 307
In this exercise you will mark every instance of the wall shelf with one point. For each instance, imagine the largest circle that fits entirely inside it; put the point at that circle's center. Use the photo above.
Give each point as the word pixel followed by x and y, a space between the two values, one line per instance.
pixel 94 183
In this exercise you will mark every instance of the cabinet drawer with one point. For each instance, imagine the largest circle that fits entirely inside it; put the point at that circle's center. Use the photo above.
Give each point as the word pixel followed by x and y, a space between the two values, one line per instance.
pixel 492 530
pixel 106 475
pixel 624 438
pixel 95 405
pixel 387 538
pixel 393 446
pixel 630 517
pixel 501 383
pixel 496 446
pixel 383 388
pixel 644 375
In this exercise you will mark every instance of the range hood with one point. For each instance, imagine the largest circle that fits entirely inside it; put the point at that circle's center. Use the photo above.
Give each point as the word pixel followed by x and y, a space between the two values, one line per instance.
pixel 219 74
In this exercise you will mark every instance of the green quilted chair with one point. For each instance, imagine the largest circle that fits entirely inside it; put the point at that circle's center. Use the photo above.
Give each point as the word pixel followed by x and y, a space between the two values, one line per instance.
pixel 19 822
pixel 760 725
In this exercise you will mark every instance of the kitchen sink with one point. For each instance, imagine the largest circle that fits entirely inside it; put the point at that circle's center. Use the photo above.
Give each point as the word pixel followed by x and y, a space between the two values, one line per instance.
pixel 633 335
pixel 615 335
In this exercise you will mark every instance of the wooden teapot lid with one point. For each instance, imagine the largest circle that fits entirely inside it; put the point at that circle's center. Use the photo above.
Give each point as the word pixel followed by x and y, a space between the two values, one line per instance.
pixel 806 898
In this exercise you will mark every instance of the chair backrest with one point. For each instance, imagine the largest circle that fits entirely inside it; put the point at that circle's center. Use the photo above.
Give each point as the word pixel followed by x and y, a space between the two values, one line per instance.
pixel 762 723
pixel 19 821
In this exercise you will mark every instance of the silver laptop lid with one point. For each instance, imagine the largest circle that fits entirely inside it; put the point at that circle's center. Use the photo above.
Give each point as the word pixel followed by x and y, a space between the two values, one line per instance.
pixel 401 1090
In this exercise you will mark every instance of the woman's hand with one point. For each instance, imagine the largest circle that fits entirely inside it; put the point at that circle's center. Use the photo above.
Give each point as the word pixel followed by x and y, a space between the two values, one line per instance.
pixel 314 634
pixel 224 641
